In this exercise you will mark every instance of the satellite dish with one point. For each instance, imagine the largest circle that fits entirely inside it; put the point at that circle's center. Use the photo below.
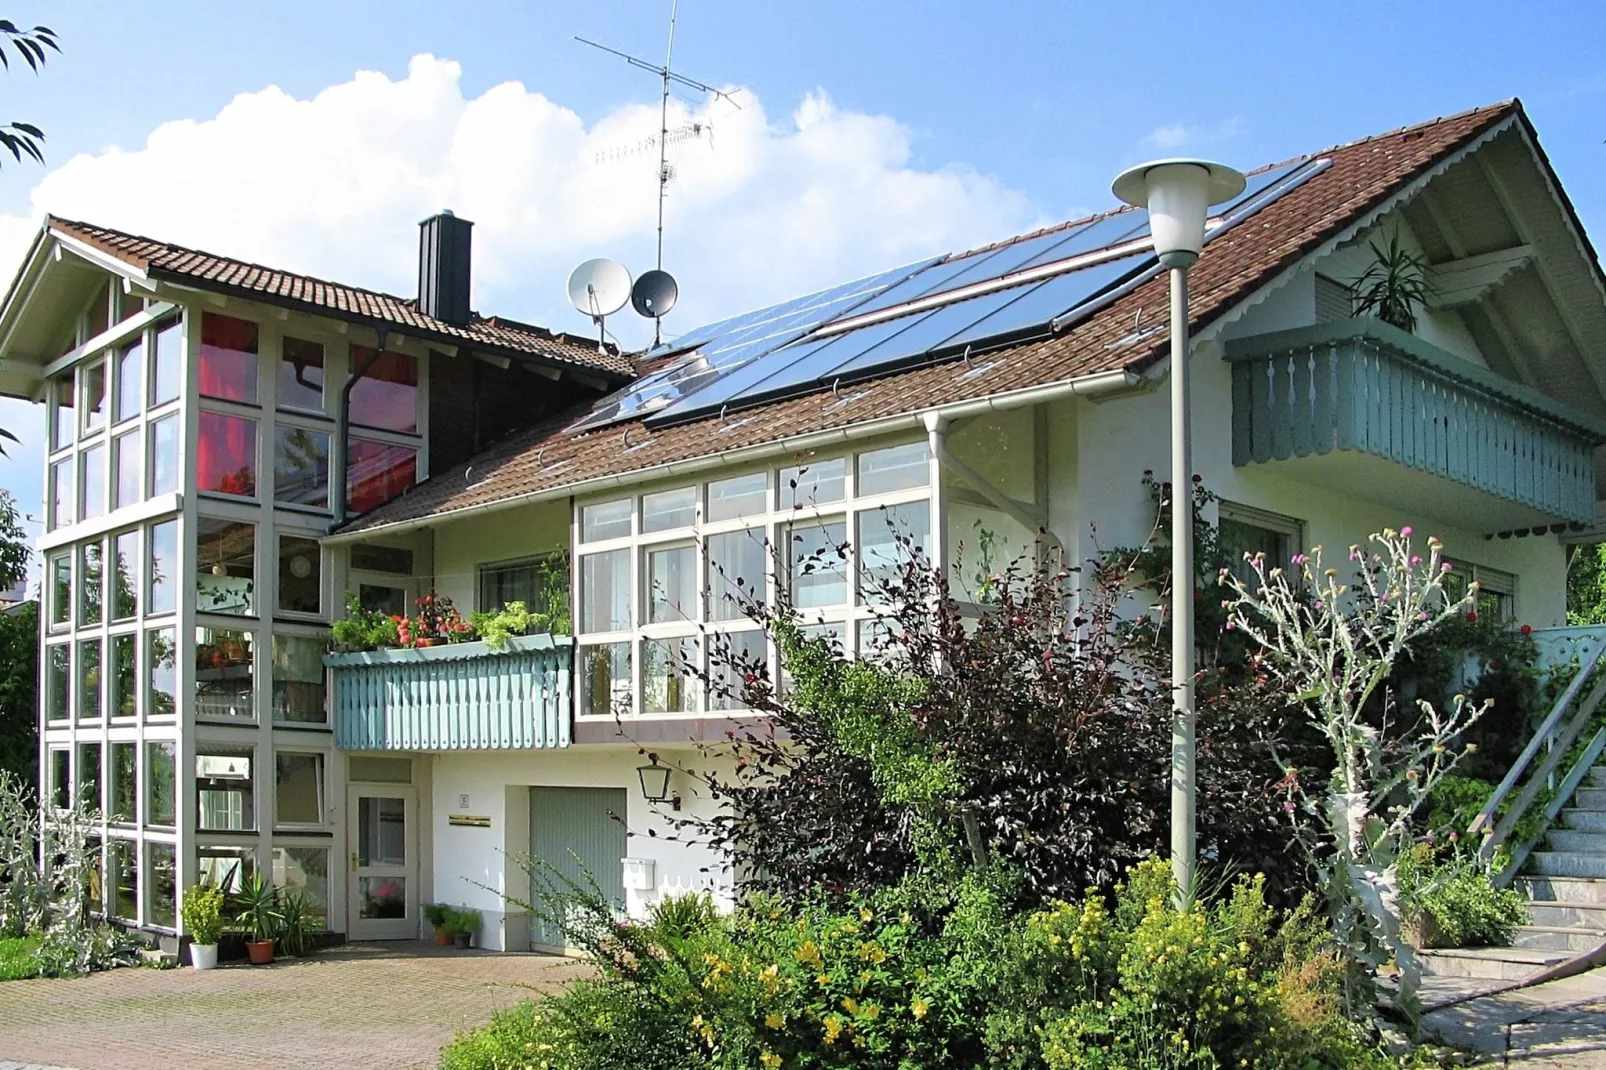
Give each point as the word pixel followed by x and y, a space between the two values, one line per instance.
pixel 599 287
pixel 654 293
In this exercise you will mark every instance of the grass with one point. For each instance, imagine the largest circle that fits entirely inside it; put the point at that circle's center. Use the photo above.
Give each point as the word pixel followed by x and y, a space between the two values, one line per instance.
pixel 19 957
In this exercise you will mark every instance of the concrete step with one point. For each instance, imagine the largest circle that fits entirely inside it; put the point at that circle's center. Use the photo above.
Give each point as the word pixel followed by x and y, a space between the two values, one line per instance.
pixel 1551 914
pixel 1563 889
pixel 1584 820
pixel 1575 842
pixel 1494 963
pixel 1566 938
pixel 1597 777
pixel 1590 798
pixel 1567 864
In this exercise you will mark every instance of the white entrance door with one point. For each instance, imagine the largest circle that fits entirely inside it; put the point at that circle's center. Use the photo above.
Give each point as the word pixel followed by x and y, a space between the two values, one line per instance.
pixel 383 893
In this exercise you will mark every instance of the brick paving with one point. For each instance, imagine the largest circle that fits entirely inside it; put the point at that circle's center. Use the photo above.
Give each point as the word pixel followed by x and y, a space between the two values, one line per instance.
pixel 1556 1026
pixel 374 1006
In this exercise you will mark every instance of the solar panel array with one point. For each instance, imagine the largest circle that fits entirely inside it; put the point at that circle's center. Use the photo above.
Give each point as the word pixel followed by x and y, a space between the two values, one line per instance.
pixel 945 308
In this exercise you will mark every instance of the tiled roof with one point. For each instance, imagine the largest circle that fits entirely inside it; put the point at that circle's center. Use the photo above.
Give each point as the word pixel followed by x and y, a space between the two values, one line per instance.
pixel 208 271
pixel 1362 175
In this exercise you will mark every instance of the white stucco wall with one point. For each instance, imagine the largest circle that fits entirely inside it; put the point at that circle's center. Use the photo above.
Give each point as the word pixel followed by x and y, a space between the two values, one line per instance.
pixel 462 546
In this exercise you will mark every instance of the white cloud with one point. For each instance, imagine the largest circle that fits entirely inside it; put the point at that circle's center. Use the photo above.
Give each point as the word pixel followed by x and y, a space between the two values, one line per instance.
pixel 1180 135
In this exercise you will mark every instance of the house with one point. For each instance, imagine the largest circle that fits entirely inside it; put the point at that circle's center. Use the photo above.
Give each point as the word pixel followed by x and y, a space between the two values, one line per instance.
pixel 995 403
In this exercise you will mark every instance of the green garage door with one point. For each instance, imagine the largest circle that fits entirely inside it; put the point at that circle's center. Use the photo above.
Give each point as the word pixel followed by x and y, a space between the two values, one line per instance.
pixel 581 833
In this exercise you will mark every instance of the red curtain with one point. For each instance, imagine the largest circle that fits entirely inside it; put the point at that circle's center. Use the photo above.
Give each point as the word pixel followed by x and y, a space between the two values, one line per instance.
pixel 226 454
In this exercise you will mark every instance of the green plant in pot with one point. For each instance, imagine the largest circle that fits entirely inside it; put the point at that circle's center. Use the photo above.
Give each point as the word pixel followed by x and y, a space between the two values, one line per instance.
pixel 1394 286
pixel 299 924
pixel 258 911
pixel 436 914
pixel 202 912
pixel 463 923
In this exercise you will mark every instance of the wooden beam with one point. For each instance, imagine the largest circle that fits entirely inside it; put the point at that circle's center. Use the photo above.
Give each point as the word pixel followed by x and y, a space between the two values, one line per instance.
pixel 1446 231
pixel 1508 341
pixel 1465 281
pixel 491 359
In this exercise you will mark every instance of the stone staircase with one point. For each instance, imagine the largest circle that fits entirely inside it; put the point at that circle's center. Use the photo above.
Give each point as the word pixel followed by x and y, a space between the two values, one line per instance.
pixel 1565 883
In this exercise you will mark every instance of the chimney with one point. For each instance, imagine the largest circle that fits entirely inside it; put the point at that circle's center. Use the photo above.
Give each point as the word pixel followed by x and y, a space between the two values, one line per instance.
pixel 444 242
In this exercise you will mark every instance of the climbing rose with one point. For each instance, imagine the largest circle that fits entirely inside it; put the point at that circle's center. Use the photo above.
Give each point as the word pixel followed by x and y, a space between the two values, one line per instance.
pixel 1527 629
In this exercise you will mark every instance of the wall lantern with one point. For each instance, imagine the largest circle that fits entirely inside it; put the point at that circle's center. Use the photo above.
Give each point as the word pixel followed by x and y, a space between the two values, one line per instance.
pixel 655 783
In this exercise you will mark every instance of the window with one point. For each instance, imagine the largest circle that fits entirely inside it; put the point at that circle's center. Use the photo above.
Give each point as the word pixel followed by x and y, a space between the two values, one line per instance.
pixel 817 563
pixel 386 396
pixel 123 789
pixel 60 590
pixel 89 708
pixel 226 455
pixel 605 591
pixel 124 674
pixel 672 584
pixel 161 672
pixel 897 468
pixel 58 681
pixel 298 679
pixel 371 557
pixel 161 885
pixel 223 673
pixel 541 583
pixel 228 358
pixel 124 885
pixel 60 778
pixel 304 870
pixel 126 386
pixel 1334 300
pixel 89 775
pixel 301 375
pixel 376 472
pixel 735 573
pixel 164 455
pixel 377 598
pixel 730 499
pixel 61 493
pixel 224 790
pixel 160 758
pixel 669 509
pixel 300 577
pixel 605 679
pixel 225 552
pixel 609 520
pixel 742 653
pixel 161 589
pixel 1244 530
pixel 667 683
pixel 62 428
pixel 380 770
pixel 301 467
pixel 1497 590
pixel 165 365
pixel 890 539
pixel 128 468
pixel 225 867
pixel 125 575
pixel 92 482
pixel 97 314
pixel 92 388
pixel 298 795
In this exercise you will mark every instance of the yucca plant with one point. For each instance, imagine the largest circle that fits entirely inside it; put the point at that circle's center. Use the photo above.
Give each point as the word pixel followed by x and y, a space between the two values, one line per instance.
pixel 1394 286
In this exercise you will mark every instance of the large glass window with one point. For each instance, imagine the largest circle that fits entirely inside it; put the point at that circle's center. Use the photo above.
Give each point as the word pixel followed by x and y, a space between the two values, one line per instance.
pixel 301 467
pixel 92 482
pixel 605 520
pixel 605 679
pixel 667 683
pixel 89 775
pixel 298 783
pixel 225 792
pixel 97 314
pixel 161 672
pixel 61 493
pixel 124 885
pixel 889 539
pixel 372 557
pixel 125 575
pixel 668 509
pixel 815 483
pixel 541 583
pixel 124 676
pixel 164 455
pixel 226 455
pixel 1243 530
pixel 160 758
pixel 89 708
pixel 605 591
pixel 60 778
pixel 225 867
pixel 92 388
pixel 161 884
pixel 228 358
pixel 161 584
pixel 897 468
pixel 376 472
pixel 739 496
pixel 816 562
pixel 165 365
pixel 300 578
pixel 225 578
pixel 386 396
pixel 736 655
pixel 735 573
pixel 301 375
pixel 304 870
pixel 123 792
pixel 58 680
pixel 129 375
pixel 128 469
pixel 223 673
pixel 671 584
pixel 60 590
pixel 63 427
pixel 298 679
pixel 379 598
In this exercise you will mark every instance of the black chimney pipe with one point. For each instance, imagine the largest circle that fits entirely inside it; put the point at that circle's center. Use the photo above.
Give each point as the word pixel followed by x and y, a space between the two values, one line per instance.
pixel 444 246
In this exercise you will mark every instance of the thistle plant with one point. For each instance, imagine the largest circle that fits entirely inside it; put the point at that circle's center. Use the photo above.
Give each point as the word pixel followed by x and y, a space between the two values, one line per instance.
pixel 1331 646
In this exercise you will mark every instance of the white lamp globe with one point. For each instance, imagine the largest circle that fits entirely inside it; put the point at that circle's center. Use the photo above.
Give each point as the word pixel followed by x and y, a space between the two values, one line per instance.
pixel 1178 195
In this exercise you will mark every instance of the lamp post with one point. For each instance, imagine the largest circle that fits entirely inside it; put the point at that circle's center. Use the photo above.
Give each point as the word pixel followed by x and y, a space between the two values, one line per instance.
pixel 1178 195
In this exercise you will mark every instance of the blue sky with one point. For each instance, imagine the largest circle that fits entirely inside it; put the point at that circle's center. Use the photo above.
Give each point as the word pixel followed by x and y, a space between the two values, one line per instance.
pixel 869 133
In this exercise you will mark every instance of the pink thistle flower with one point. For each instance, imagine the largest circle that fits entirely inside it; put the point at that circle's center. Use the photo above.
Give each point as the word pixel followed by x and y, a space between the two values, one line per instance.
pixel 1405 532
pixel 1446 567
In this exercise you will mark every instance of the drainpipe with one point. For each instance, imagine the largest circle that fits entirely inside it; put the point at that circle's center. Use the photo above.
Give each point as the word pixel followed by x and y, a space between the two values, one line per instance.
pixel 1031 520
pixel 343 424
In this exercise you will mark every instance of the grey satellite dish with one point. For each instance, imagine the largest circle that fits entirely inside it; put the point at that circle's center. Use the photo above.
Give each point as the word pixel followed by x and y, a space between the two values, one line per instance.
pixel 654 293
pixel 599 287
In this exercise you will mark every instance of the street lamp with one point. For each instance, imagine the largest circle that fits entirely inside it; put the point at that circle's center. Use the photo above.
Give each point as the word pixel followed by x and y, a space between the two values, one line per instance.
pixel 1178 195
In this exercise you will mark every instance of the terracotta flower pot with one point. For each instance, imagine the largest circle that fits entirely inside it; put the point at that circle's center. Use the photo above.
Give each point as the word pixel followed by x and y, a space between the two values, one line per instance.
pixel 259 951
pixel 431 642
pixel 443 938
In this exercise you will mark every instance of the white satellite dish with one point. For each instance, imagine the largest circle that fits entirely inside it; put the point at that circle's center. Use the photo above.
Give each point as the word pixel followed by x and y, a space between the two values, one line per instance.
pixel 599 287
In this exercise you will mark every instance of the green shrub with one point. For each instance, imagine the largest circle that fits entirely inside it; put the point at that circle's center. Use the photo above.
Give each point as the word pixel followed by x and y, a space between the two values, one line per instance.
pixel 362 629
pixel 19 957
pixel 202 912
pixel 1455 890
pixel 299 924
pixel 681 917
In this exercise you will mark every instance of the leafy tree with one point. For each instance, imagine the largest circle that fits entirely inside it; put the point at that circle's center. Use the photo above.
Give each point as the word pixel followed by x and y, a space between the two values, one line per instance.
pixel 19 137
pixel 1586 584
pixel 19 654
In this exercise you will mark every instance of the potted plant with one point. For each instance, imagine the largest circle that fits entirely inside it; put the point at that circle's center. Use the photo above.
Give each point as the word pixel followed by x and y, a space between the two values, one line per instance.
pixel 299 924
pixel 1394 285
pixel 463 923
pixel 259 912
pixel 436 914
pixel 437 621
pixel 202 911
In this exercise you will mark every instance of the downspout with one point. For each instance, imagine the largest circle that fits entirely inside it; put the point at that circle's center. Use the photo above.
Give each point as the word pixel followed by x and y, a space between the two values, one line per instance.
pixel 1031 520
pixel 343 425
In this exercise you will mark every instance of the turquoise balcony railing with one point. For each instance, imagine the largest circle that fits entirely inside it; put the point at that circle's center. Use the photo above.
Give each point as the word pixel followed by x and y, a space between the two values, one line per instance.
pixel 1366 386
pixel 459 697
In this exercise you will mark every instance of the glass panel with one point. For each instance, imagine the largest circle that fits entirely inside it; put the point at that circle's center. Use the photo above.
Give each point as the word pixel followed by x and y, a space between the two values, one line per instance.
pixel 228 358
pixel 92 386
pixel 160 585
pixel 89 775
pixel 391 601
pixel 299 788
pixel 301 467
pixel 1238 538
pixel 225 867
pixel 667 683
pixel 164 455
pixel 380 770
pixel 889 539
pixel 161 669
pixel 124 781
pixel 817 564
pixel 124 673
pixel 298 679
pixel 734 655
pixel 124 901
pixel 605 591
pixel 130 373
pixel 92 483
pixel 224 789
pixel 97 314
pixel 60 777
pixel 128 466
pixel 300 577
pixel 90 593
pixel 897 468
pixel 60 589
pixel 223 673
pixel 1002 448
pixel 605 680
pixel 671 584
pixel 161 884
pixel 606 520
pixel 61 493
pixel 159 761
pixel 377 472
pixel 225 566
pixel 89 708
pixel 735 573
pixel 301 374
pixel 64 426
pixel 165 366
pixel 226 455
pixel 668 509
pixel 129 306
pixel 305 870
pixel 386 396
pixel 815 483
pixel 740 496
pixel 541 583
pixel 381 831
pixel 382 897
pixel 371 557
pixel 58 680
pixel 125 575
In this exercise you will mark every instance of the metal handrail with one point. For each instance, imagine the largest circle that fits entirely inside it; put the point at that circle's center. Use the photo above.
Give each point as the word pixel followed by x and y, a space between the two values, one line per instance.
pixel 1545 735
pixel 1569 784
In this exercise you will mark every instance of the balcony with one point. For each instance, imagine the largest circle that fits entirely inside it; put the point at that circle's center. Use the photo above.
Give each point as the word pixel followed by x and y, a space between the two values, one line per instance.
pixel 1363 405
pixel 464 696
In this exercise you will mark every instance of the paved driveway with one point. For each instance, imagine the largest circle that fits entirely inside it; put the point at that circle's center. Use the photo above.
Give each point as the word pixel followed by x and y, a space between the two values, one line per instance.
pixel 378 1006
